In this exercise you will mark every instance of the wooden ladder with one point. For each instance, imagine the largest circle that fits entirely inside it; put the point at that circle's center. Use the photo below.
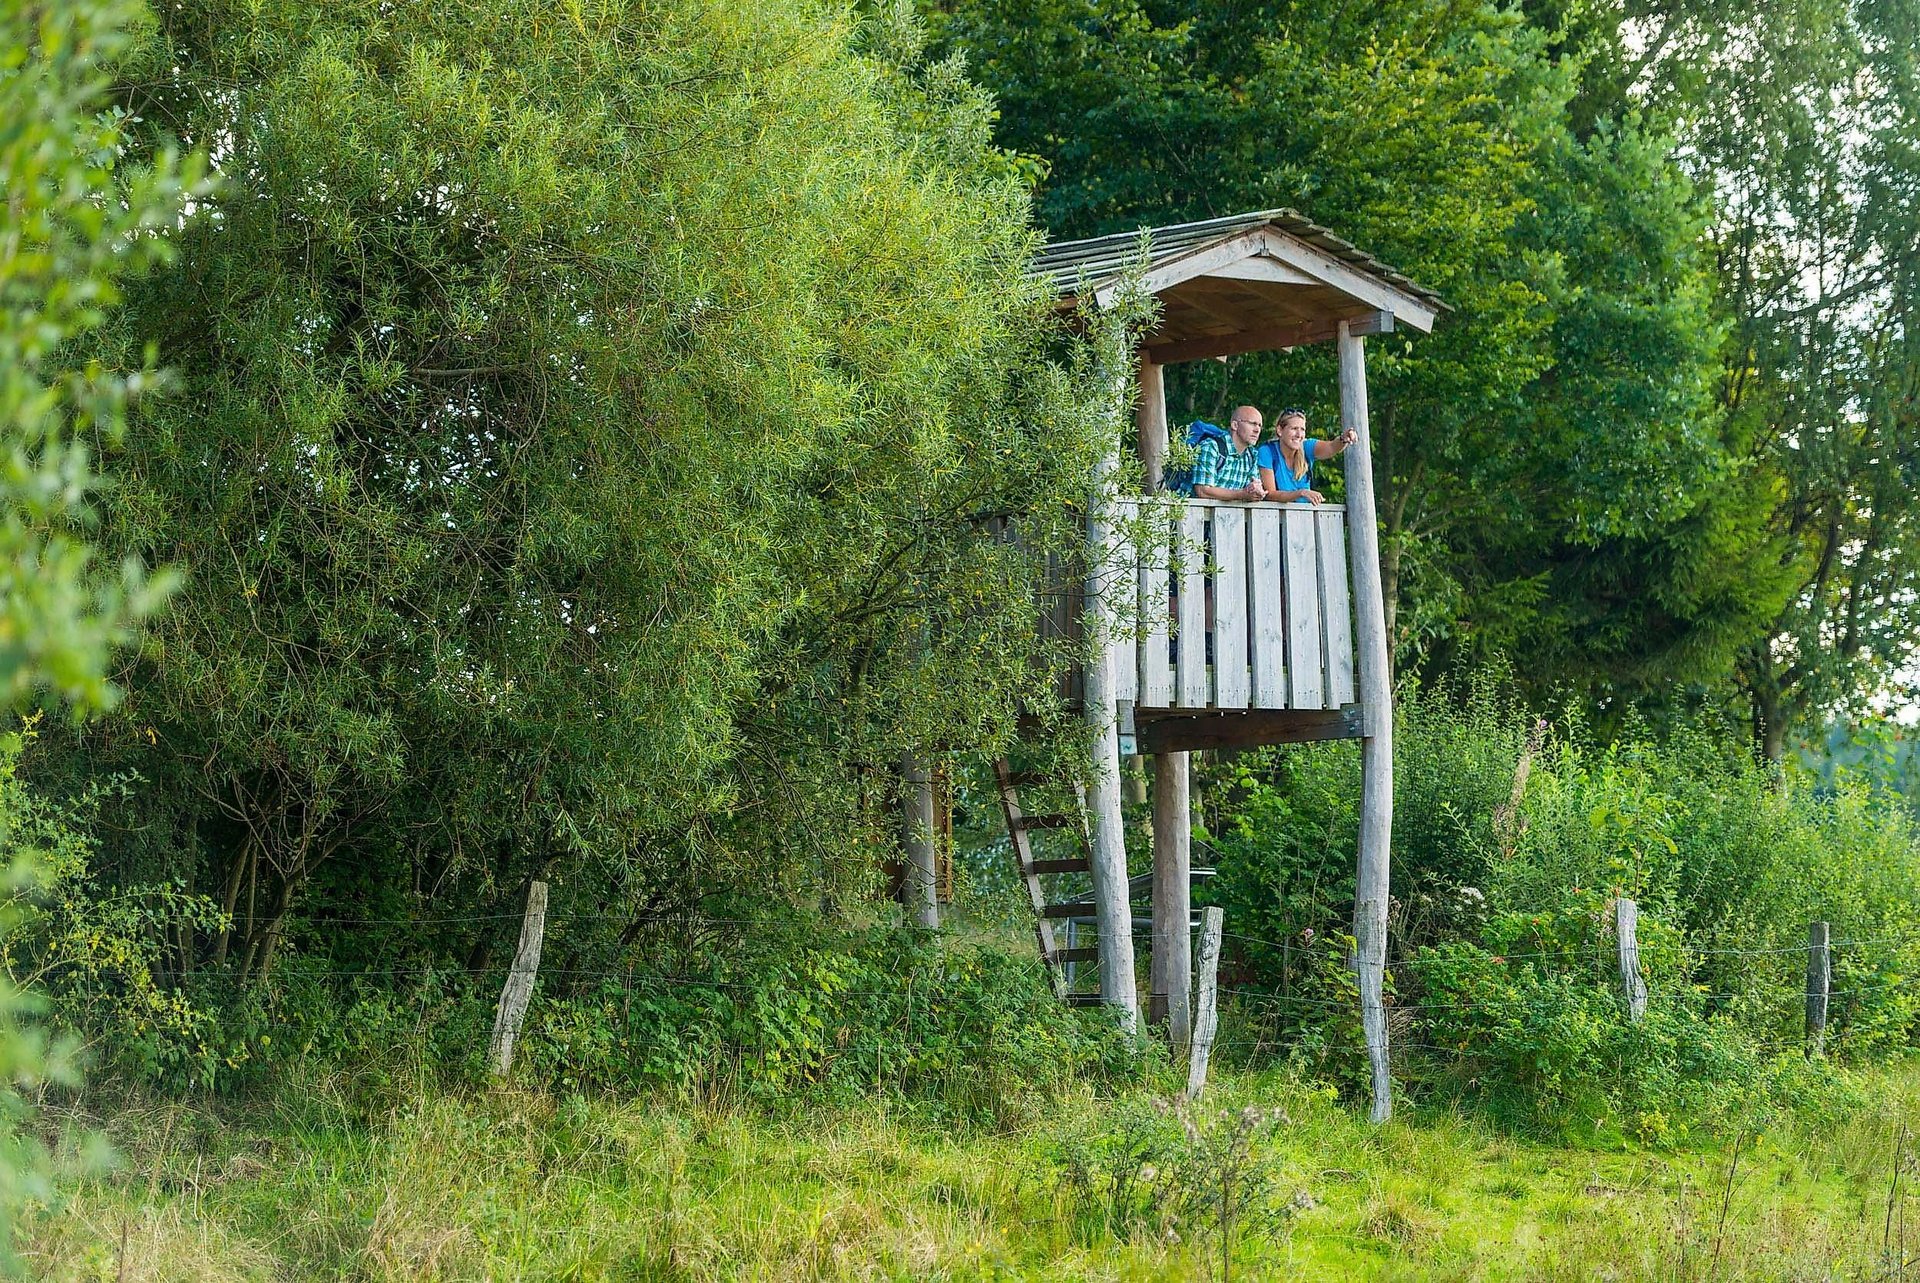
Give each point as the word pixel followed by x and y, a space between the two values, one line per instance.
pixel 1033 869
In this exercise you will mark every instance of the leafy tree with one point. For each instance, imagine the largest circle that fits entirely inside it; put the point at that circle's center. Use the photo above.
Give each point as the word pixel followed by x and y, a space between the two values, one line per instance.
pixel 1821 261
pixel 75 224
pixel 1797 119
pixel 1576 368
pixel 592 434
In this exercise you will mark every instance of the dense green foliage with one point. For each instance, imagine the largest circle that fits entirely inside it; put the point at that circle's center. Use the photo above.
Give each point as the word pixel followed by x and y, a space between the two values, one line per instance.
pixel 1679 245
pixel 1503 957
pixel 585 462
pixel 592 449
pixel 75 225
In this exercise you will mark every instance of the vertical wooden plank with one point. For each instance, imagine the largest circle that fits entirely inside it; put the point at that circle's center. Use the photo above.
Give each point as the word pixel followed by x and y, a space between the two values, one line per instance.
pixel 1206 1001
pixel 1336 611
pixel 1306 666
pixel 1626 926
pixel 1122 580
pixel 1266 588
pixel 1192 674
pixel 1156 606
pixel 1230 607
pixel 518 991
pixel 1819 986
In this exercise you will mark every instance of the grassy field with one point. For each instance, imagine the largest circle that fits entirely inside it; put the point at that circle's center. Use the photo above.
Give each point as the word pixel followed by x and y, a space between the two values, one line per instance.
pixel 508 1185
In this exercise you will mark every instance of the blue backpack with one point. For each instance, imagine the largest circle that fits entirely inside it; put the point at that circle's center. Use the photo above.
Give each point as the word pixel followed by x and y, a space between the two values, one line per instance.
pixel 1180 480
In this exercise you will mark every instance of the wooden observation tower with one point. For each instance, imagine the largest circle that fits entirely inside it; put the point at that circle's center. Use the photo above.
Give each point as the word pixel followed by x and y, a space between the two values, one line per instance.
pixel 1258 623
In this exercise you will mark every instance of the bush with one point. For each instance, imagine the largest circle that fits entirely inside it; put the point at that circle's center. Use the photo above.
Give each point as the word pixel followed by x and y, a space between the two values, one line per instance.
pixel 812 1011
pixel 962 1026
pixel 1502 925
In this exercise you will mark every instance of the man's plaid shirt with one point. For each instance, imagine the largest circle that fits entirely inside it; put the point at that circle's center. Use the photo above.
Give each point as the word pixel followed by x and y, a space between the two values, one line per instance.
pixel 1215 463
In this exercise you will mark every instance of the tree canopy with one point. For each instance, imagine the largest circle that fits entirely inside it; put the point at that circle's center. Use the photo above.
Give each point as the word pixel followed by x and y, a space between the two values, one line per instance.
pixel 1660 227
pixel 588 445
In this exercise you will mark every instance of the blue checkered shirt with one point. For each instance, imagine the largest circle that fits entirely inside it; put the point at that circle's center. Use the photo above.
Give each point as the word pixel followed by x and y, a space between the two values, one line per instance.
pixel 1217 464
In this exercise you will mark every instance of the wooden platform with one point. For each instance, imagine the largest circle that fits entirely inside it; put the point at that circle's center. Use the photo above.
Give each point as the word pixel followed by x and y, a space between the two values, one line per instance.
pixel 1180 730
pixel 1231 607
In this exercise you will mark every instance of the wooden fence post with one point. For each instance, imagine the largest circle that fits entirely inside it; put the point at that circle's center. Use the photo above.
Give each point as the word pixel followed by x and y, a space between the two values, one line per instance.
pixel 1206 1001
pixel 1819 986
pixel 1626 923
pixel 518 990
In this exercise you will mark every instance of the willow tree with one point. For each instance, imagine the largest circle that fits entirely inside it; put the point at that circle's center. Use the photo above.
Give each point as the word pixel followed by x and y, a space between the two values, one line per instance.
pixel 592 424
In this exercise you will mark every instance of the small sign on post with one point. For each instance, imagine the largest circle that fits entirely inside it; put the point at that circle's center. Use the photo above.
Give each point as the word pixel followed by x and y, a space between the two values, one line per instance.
pixel 1626 924
pixel 1206 1005
pixel 1819 986
pixel 518 991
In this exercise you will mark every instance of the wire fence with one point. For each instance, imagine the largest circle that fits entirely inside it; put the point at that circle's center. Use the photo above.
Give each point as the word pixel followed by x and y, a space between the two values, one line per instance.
pixel 641 977
pixel 1268 1023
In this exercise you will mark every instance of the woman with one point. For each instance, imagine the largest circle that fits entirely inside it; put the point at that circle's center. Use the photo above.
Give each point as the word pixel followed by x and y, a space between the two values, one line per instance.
pixel 1286 463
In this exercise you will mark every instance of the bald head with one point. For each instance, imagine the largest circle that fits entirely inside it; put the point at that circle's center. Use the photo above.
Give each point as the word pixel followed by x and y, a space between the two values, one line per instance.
pixel 1247 425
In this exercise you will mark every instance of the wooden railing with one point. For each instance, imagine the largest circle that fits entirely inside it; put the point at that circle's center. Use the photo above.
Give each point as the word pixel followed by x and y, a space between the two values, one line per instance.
pixel 1231 605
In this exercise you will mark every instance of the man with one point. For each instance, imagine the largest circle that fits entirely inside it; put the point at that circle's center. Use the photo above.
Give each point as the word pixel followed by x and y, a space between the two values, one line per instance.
pixel 1233 474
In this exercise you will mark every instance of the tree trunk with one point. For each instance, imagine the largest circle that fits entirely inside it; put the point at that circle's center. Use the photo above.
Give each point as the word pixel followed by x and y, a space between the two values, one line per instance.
pixel 1769 705
pixel 229 902
pixel 1390 586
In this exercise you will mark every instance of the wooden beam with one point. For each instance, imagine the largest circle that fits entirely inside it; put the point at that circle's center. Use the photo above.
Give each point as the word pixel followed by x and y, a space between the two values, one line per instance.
pixel 1180 732
pixel 1352 281
pixel 1268 339
pixel 1375 680
pixel 1262 268
pixel 1196 263
pixel 511 1010
pixel 1151 419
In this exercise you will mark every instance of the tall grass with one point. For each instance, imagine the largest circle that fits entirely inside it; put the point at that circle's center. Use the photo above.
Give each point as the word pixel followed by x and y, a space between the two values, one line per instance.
pixel 429 1185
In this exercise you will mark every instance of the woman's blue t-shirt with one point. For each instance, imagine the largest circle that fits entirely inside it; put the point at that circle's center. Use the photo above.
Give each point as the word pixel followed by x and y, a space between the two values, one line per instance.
pixel 1285 478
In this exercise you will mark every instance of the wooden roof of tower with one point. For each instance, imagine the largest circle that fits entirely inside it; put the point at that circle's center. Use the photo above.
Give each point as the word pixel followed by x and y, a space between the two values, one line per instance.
pixel 1249 283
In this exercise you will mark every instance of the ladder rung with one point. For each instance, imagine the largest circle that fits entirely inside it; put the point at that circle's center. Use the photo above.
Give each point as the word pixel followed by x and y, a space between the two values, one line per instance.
pixel 1048 822
pixel 1083 1000
pixel 1067 911
pixel 1075 955
pixel 1026 779
pixel 1079 865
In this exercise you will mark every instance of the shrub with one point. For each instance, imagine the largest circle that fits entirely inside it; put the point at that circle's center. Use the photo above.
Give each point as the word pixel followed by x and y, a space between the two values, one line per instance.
pixel 1501 927
pixel 963 1026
